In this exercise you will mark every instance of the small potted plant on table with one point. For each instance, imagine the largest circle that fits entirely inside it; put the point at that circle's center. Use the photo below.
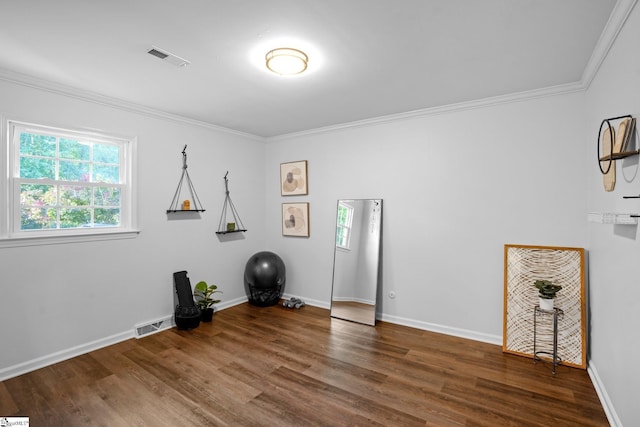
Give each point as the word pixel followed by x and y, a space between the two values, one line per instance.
pixel 547 292
pixel 204 299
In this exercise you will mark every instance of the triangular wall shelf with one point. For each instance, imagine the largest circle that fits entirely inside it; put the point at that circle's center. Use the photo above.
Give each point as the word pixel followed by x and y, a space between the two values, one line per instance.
pixel 223 225
pixel 176 205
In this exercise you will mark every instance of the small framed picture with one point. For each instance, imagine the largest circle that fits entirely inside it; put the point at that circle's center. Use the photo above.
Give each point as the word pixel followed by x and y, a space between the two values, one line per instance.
pixel 295 219
pixel 293 178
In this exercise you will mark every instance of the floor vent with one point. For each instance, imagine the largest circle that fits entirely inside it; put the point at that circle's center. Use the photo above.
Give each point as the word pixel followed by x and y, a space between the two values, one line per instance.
pixel 152 327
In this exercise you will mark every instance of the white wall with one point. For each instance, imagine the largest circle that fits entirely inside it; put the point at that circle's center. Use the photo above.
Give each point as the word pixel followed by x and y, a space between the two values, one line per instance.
pixel 614 250
pixel 57 297
pixel 456 188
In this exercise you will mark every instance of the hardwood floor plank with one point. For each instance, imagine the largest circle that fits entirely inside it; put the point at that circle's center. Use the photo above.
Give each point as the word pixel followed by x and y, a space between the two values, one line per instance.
pixel 270 366
pixel 112 357
pixel 497 396
pixel 33 398
pixel 337 372
pixel 136 405
pixel 203 390
pixel 286 410
pixel 515 372
pixel 260 354
pixel 8 406
pixel 81 406
pixel 418 400
pixel 211 378
pixel 338 403
pixel 509 406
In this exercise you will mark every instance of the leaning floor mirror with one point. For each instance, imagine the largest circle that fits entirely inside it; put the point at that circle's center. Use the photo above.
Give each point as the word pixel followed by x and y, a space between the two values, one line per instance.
pixel 356 260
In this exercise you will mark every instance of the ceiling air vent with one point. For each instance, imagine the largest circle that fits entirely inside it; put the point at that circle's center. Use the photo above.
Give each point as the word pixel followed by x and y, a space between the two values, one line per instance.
pixel 168 56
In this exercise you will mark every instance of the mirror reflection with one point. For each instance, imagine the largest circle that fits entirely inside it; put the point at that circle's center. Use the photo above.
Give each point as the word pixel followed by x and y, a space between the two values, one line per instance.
pixel 356 260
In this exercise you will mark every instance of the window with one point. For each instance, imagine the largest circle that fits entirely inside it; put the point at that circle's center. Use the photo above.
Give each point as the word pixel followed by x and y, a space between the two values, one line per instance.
pixel 343 227
pixel 64 183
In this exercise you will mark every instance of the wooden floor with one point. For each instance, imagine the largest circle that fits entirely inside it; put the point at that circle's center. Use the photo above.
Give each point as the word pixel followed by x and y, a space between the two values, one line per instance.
pixel 278 367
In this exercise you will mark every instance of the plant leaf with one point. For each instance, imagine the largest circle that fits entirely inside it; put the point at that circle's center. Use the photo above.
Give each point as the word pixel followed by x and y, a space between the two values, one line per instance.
pixel 201 286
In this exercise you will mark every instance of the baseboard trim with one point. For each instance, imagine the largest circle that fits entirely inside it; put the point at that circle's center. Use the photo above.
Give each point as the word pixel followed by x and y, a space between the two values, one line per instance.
pixel 426 326
pixel 60 356
pixel 231 303
pixel 447 330
pixel 601 391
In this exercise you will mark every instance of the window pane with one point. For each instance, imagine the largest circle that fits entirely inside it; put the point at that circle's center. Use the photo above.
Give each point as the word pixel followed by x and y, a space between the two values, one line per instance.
pixel 37 195
pixel 75 195
pixel 342 215
pixel 107 196
pixel 74 171
pixel 37 218
pixel 74 218
pixel 109 174
pixel 342 236
pixel 72 149
pixel 107 217
pixel 66 180
pixel 106 153
pixel 37 145
pixel 37 168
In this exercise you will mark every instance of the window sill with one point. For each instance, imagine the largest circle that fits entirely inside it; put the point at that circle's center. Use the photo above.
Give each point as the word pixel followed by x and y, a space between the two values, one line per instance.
pixel 14 242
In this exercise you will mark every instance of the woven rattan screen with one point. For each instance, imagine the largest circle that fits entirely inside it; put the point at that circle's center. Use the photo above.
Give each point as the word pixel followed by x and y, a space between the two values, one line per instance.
pixel 523 265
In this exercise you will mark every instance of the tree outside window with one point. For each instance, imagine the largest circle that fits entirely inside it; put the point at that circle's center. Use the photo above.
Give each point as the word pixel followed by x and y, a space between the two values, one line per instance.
pixel 343 226
pixel 66 180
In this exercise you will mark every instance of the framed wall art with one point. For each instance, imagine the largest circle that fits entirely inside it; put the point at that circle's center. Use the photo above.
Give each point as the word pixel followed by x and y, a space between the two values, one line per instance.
pixel 295 219
pixel 523 265
pixel 293 178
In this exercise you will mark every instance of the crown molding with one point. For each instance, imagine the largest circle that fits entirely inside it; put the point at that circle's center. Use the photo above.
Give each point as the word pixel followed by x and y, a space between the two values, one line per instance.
pixel 432 111
pixel 96 98
pixel 617 19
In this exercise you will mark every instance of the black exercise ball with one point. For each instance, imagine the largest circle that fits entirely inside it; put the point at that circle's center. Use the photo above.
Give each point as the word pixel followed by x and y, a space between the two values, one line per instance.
pixel 264 278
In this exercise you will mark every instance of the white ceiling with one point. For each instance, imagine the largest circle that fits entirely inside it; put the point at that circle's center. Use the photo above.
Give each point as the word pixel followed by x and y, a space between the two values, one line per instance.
pixel 368 58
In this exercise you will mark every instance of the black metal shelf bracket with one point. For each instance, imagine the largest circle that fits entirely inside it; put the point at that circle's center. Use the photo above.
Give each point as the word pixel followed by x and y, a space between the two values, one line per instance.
pixel 197 205
pixel 632 197
pixel 611 157
pixel 224 227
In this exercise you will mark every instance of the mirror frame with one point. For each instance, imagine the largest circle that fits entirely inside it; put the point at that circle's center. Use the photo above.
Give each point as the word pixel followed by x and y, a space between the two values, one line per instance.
pixel 353 310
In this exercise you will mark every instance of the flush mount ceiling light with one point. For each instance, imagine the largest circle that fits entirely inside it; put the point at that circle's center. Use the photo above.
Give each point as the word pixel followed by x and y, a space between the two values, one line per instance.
pixel 286 61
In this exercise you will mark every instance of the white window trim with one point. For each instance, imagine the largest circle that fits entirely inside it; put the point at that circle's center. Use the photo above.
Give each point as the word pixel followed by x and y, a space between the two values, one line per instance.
pixel 10 238
pixel 348 226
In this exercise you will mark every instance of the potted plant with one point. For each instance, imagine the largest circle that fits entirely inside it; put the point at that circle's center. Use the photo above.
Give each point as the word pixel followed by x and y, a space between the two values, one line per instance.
pixel 547 292
pixel 204 299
